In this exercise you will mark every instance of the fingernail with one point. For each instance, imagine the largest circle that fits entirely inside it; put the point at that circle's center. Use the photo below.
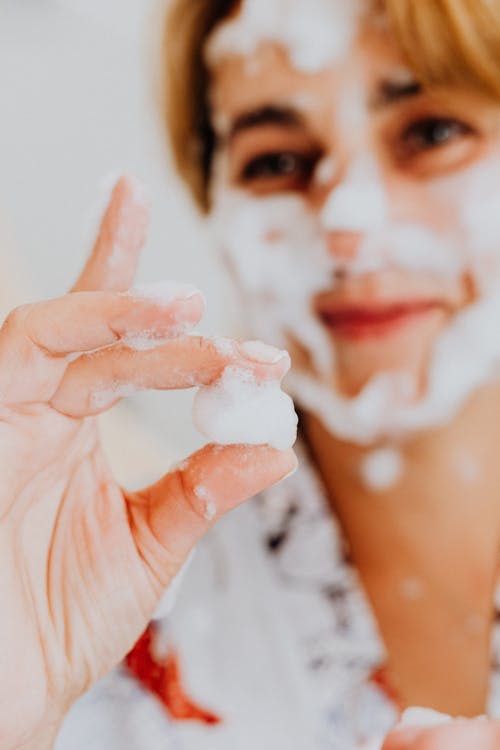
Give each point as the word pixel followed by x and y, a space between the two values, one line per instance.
pixel 262 353
pixel 164 292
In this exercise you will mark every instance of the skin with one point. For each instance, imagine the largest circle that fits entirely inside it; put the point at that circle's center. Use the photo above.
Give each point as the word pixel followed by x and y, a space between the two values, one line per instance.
pixel 425 147
pixel 461 735
pixel 83 563
pixel 62 512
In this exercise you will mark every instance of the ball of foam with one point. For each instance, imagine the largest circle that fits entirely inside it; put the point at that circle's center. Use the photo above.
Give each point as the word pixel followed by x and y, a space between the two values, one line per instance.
pixel 423 718
pixel 381 469
pixel 239 410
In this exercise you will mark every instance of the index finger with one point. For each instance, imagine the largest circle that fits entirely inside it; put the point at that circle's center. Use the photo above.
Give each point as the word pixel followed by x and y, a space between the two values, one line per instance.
pixel 113 263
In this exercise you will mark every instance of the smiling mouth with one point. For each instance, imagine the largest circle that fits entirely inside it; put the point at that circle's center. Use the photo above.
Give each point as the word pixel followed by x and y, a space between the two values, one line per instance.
pixel 373 321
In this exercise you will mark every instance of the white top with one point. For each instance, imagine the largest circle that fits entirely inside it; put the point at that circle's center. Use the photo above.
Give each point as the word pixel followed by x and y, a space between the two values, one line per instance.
pixel 275 635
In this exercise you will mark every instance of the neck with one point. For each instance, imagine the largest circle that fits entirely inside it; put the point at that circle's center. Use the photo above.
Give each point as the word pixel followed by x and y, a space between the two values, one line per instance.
pixel 449 485
pixel 426 550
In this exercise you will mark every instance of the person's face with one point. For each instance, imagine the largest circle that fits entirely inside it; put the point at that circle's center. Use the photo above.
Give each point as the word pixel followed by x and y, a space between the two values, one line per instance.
pixel 392 177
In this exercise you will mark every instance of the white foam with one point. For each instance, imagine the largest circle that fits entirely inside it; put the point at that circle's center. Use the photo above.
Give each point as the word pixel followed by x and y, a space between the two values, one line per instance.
pixel 257 351
pixel 209 506
pixel 355 208
pixel 423 718
pixel 239 410
pixel 274 250
pixel 164 292
pixel 414 247
pixel 143 341
pixel 277 249
pixel 224 346
pixel 381 469
pixel 325 171
pixel 465 357
pixel 332 24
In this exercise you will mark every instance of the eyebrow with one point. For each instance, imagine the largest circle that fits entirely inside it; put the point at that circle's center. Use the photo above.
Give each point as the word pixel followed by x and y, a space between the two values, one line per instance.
pixel 269 114
pixel 392 92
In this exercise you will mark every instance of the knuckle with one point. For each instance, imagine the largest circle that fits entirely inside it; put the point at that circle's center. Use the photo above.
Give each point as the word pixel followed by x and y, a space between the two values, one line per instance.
pixel 16 319
pixel 195 504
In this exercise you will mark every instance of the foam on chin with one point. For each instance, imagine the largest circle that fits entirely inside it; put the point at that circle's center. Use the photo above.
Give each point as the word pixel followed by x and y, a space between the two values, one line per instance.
pixel 466 356
pixel 332 24
pixel 276 250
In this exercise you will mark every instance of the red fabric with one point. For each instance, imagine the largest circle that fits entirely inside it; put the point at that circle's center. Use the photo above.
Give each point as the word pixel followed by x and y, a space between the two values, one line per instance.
pixel 163 679
pixel 380 677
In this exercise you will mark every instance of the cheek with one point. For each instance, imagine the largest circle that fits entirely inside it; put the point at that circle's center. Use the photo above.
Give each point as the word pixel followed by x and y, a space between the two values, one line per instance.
pixel 469 204
pixel 433 207
pixel 448 226
pixel 279 260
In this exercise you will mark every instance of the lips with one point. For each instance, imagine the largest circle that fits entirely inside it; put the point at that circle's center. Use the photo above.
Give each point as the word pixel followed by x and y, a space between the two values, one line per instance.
pixel 359 321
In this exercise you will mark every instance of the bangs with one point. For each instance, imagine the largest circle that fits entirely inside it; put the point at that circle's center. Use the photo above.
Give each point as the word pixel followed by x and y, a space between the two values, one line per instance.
pixel 447 43
pixel 450 42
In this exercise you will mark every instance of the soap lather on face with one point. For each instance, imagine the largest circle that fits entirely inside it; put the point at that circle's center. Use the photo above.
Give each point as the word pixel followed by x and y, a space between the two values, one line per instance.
pixel 400 187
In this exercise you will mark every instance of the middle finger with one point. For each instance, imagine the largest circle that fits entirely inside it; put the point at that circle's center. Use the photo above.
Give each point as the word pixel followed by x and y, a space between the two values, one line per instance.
pixel 94 383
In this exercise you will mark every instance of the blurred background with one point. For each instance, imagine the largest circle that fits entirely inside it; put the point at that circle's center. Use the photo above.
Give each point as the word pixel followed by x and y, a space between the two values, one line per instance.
pixel 79 104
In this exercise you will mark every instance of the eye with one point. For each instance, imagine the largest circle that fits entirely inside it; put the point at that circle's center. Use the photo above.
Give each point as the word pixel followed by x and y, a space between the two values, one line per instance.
pixel 286 170
pixel 432 133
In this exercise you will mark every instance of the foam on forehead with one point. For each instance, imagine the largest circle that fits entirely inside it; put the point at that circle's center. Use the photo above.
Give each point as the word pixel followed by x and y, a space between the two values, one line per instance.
pixel 315 33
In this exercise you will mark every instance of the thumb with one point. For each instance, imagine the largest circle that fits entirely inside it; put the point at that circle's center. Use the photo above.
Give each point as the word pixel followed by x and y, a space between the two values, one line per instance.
pixel 169 517
pixel 404 739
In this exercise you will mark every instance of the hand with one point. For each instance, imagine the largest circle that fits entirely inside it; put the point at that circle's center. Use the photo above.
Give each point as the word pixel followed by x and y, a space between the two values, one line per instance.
pixel 462 734
pixel 83 563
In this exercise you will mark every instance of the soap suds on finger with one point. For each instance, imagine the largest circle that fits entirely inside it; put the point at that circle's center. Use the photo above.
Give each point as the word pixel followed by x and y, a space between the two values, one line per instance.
pixel 164 292
pixel 150 339
pixel 257 351
pixel 224 346
pixel 209 506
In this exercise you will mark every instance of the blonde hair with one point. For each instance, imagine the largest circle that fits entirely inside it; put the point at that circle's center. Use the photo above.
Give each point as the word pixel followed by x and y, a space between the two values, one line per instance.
pixel 445 42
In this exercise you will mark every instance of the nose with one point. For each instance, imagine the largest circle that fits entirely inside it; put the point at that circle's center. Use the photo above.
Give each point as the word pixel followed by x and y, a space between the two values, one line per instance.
pixel 354 207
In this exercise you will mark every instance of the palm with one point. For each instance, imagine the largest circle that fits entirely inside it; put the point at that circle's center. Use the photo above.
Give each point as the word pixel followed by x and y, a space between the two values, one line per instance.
pixel 66 522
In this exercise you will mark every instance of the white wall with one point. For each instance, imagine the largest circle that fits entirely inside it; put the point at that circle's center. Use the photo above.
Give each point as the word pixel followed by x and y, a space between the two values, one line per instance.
pixel 76 104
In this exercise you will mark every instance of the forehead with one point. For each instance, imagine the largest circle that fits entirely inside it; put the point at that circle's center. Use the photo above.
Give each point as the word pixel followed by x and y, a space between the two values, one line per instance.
pixel 268 73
